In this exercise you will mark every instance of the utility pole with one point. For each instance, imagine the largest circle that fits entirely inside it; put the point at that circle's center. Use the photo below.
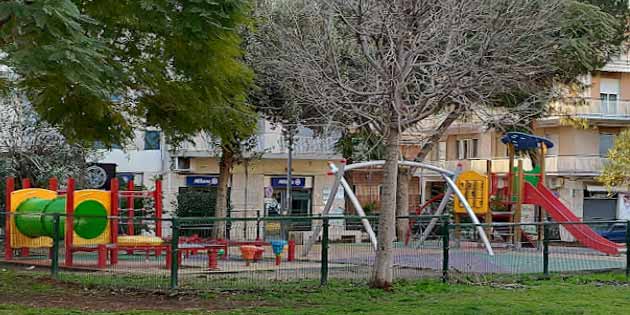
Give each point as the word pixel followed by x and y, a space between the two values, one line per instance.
pixel 290 174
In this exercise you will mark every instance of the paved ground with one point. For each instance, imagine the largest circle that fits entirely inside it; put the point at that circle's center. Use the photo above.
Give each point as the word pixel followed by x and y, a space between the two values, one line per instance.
pixel 354 261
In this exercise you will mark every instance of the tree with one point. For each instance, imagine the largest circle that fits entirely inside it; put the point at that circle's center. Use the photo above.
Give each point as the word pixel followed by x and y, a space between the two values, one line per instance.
pixel 616 172
pixel 98 68
pixel 31 148
pixel 587 39
pixel 388 65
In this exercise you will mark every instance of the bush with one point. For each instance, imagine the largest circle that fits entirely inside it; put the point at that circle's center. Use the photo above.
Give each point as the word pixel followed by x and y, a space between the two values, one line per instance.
pixel 194 203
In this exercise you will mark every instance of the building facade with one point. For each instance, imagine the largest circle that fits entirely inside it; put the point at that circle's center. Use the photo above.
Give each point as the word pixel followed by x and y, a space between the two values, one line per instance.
pixel 258 186
pixel 578 156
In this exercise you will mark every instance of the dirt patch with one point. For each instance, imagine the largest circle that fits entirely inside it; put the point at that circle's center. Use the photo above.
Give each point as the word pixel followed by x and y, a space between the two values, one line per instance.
pixel 67 295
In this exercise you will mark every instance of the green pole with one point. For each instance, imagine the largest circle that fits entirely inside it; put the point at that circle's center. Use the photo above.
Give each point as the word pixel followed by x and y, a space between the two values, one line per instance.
pixel 445 249
pixel 627 249
pixel 324 267
pixel 174 253
pixel 546 249
pixel 54 263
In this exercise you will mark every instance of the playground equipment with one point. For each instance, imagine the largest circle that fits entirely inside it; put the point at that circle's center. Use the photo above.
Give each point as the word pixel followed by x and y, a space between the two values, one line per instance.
pixel 277 248
pixel 446 175
pixel 83 220
pixel 526 187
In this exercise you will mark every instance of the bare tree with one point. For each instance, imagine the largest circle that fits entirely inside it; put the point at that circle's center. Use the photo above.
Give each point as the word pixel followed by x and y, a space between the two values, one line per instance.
pixel 388 65
pixel 33 149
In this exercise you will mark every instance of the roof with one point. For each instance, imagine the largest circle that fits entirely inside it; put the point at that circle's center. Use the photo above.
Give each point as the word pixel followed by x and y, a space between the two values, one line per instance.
pixel 524 141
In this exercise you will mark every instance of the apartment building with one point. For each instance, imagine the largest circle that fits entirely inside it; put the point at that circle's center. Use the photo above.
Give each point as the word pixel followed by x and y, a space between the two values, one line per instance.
pixel 258 186
pixel 578 155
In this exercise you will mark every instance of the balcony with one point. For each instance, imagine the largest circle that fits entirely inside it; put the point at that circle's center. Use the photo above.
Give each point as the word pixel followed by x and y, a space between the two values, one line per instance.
pixel 573 165
pixel 618 110
pixel 271 145
pixel 618 64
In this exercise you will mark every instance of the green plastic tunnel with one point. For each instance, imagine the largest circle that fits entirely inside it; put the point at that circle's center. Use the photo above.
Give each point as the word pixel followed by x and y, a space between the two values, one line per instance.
pixel 34 218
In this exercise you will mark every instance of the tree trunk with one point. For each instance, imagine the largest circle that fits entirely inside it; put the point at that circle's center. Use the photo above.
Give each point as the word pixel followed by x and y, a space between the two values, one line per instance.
pixel 383 275
pixel 402 195
pixel 402 202
pixel 221 206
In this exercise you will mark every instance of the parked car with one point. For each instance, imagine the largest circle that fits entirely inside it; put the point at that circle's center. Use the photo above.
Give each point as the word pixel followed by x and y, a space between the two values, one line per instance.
pixel 615 233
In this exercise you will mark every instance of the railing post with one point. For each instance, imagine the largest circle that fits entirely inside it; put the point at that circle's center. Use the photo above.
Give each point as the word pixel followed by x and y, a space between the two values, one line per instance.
pixel 627 249
pixel 445 249
pixel 546 235
pixel 324 258
pixel 54 258
pixel 257 225
pixel 174 253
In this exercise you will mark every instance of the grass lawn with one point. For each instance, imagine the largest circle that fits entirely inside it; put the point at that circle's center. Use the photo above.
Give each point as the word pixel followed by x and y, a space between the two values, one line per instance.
pixel 23 293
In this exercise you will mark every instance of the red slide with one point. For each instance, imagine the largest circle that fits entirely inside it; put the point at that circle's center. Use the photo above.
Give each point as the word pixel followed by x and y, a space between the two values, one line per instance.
pixel 542 196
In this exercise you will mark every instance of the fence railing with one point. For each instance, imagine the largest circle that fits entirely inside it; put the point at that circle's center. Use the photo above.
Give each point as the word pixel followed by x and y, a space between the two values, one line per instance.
pixel 207 252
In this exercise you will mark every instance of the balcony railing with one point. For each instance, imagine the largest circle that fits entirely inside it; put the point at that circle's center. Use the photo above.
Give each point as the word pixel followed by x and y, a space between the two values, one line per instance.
pixel 587 165
pixel 596 108
pixel 268 144
pixel 278 144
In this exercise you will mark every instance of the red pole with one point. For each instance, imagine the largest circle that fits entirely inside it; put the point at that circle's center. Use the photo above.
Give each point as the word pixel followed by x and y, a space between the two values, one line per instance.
pixel 8 252
pixel 114 223
pixel 291 253
pixel 69 220
pixel 53 184
pixel 158 208
pixel 26 183
pixel 130 208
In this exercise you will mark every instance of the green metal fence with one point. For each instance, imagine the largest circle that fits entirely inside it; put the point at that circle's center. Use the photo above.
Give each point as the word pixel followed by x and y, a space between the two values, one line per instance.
pixel 202 253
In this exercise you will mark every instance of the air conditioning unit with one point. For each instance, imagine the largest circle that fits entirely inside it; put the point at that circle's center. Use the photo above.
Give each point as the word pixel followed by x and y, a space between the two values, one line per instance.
pixel 182 164
pixel 556 182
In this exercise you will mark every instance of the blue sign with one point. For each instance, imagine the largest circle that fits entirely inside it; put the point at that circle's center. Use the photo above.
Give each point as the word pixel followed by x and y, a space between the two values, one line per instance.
pixel 202 181
pixel 299 182
pixel 125 177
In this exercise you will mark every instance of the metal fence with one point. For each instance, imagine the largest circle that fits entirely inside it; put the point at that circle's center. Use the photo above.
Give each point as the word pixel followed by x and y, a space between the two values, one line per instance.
pixel 238 253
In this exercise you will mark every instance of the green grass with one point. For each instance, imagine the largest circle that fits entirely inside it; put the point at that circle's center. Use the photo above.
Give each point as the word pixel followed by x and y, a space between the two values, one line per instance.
pixel 581 294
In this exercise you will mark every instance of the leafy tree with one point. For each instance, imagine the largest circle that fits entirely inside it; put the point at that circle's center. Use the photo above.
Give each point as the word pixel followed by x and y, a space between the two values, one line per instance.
pixel 616 172
pixel 97 68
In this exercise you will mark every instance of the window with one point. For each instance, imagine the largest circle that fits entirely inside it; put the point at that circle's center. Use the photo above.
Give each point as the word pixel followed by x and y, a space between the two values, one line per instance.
pixel 151 140
pixel 441 151
pixel 609 103
pixel 606 142
pixel 467 149
pixel 183 163
pixel 98 145
pixel 609 95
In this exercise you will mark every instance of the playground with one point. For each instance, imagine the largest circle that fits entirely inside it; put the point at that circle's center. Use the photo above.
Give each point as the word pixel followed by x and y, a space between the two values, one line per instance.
pixel 105 233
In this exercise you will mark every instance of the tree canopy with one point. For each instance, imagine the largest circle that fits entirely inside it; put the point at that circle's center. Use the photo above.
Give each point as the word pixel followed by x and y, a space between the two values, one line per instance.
pixel 616 172
pixel 99 68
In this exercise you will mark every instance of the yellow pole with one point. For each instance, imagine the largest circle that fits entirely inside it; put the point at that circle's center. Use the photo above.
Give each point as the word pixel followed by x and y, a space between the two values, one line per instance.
pixel 488 217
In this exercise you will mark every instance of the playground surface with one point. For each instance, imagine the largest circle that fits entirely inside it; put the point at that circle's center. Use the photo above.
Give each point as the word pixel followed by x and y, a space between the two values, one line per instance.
pixel 349 262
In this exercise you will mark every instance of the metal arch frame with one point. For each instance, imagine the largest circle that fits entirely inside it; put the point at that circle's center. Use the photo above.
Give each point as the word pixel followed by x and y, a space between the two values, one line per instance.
pixel 447 175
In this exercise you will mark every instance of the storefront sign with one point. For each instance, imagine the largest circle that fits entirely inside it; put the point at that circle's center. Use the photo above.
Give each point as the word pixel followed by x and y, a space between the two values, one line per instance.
pixel 202 181
pixel 299 182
